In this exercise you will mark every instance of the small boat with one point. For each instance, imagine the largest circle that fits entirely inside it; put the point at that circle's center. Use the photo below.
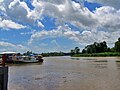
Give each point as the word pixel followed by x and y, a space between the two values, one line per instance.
pixel 39 58
pixel 16 58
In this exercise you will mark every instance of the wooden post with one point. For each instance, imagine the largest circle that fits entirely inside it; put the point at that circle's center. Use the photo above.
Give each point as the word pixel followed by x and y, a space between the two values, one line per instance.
pixel 3 78
pixel 4 58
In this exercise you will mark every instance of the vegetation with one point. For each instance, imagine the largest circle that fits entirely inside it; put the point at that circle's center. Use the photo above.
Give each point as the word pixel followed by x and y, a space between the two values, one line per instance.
pixel 98 49
pixel 117 45
pixel 54 54
pixel 104 54
pixel 75 51
pixel 28 53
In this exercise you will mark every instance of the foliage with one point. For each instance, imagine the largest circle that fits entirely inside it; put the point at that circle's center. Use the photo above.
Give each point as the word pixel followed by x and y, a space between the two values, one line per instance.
pixel 96 48
pixel 29 53
pixel 76 50
pixel 53 54
pixel 104 54
pixel 117 45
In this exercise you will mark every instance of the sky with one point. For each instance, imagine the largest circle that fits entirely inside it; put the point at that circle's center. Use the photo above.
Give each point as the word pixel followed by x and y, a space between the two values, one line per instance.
pixel 57 25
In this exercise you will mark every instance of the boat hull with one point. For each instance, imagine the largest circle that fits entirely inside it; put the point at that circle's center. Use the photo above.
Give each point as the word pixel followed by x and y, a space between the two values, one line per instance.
pixel 20 62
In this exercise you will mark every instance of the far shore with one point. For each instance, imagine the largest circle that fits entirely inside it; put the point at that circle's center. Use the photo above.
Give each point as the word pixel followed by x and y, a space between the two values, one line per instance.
pixel 105 54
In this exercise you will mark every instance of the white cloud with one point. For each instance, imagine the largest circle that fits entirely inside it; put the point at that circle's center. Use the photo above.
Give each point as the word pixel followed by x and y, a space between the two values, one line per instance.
pixel 10 24
pixel 82 38
pixel 2 7
pixel 17 11
pixel 28 33
pixel 40 24
pixel 76 14
pixel 64 11
pixel 55 46
pixel 104 20
pixel 13 3
pixel 37 12
pixel 108 17
pixel 113 3
pixel 1 1
pixel 56 43
pixel 6 46
pixel 93 26
pixel 62 31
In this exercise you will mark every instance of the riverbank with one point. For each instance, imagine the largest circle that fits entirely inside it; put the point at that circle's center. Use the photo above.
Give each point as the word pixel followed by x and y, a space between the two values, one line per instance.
pixel 105 54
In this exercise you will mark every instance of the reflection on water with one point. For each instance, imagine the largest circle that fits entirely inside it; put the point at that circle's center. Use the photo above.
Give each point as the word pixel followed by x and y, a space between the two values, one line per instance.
pixel 66 73
pixel 75 58
pixel 25 64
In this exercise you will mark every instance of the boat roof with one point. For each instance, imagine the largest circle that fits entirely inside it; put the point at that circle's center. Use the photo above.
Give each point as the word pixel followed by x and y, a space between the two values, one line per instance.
pixel 9 53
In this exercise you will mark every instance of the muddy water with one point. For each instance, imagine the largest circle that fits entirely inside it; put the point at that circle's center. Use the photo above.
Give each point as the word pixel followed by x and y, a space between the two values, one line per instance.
pixel 66 73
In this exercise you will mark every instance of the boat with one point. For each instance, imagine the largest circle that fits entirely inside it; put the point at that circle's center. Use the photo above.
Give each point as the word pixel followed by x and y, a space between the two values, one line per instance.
pixel 16 58
pixel 39 58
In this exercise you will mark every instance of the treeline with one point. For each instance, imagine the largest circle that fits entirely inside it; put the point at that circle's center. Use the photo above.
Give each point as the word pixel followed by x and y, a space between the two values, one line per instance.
pixel 98 49
pixel 54 54
pixel 28 53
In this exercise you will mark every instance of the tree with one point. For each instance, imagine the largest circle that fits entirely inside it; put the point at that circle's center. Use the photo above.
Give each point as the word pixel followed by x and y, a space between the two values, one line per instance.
pixel 77 50
pixel 83 51
pixel 72 52
pixel 117 45
pixel 96 48
pixel 27 53
pixel 103 46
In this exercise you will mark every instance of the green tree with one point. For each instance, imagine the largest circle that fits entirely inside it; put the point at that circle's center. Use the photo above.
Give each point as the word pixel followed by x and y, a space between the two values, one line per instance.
pixel 27 53
pixel 96 48
pixel 117 45
pixel 103 46
pixel 72 52
pixel 77 50
pixel 83 51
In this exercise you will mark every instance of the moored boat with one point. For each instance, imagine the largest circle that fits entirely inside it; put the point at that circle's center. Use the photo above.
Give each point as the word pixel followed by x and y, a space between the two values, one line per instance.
pixel 16 58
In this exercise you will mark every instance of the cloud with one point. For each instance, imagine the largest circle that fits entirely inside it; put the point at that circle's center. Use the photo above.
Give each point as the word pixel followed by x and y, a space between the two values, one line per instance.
pixel 40 24
pixel 1 0
pixel 55 43
pixel 94 25
pixel 113 3
pixel 10 24
pixel 62 31
pixel 28 33
pixel 108 18
pixel 101 24
pixel 17 11
pixel 55 46
pixel 64 11
pixel 70 11
pixel 2 7
pixel 82 38
pixel 6 46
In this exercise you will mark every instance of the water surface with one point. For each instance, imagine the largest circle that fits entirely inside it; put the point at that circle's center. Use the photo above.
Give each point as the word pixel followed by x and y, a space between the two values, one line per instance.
pixel 66 73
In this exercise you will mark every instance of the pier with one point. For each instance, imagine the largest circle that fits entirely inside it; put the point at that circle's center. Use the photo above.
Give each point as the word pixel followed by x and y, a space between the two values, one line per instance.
pixel 3 77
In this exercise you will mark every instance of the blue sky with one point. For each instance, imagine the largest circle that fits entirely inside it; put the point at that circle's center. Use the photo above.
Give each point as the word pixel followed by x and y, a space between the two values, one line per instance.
pixel 53 25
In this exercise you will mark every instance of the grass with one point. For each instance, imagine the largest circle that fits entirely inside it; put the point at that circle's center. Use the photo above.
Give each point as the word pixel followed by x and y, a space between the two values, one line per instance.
pixel 105 54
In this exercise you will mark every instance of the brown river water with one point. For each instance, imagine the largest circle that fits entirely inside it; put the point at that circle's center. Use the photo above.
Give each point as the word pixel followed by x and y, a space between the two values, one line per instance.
pixel 67 73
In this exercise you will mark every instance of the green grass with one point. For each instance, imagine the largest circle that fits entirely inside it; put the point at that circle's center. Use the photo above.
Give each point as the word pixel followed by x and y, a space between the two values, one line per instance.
pixel 105 54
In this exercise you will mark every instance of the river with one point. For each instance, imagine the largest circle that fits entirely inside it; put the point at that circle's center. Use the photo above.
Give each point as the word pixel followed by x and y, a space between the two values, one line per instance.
pixel 67 73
